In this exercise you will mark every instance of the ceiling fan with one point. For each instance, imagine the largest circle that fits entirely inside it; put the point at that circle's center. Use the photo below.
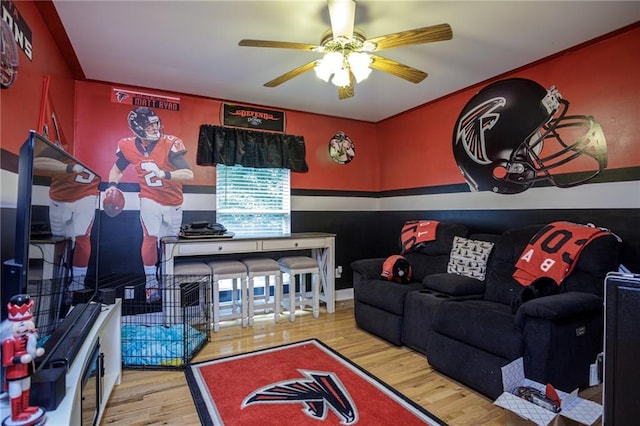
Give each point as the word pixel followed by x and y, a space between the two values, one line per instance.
pixel 347 58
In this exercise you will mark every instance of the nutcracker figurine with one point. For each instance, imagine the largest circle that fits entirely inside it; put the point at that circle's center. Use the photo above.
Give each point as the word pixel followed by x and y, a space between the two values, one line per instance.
pixel 18 354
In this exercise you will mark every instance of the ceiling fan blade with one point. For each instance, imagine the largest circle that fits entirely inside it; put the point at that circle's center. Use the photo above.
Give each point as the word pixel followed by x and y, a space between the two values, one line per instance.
pixel 396 68
pixel 280 45
pixel 342 14
pixel 289 75
pixel 430 34
pixel 347 91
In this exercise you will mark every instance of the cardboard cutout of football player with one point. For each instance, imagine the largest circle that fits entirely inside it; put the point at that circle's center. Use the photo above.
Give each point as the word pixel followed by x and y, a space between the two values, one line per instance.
pixel 161 168
pixel 73 195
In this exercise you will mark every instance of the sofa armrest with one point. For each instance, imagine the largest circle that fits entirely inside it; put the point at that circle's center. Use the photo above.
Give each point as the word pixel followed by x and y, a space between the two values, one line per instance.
pixel 559 307
pixel 453 284
pixel 367 269
pixel 562 335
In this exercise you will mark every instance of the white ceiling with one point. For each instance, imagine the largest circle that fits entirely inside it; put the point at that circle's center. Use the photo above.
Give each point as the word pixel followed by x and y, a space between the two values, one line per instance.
pixel 191 47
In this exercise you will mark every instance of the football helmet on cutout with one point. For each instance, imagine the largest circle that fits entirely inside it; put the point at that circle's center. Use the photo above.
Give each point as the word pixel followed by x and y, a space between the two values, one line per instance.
pixel 500 134
pixel 145 123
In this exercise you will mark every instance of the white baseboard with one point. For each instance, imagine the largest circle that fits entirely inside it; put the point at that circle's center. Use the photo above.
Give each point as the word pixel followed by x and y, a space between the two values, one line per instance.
pixel 344 294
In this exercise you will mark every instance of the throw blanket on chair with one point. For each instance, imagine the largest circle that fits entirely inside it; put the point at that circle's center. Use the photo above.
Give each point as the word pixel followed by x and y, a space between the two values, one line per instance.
pixel 554 251
pixel 416 232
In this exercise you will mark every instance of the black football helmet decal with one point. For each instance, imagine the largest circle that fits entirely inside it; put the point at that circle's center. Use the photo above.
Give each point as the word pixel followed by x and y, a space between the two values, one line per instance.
pixel 514 132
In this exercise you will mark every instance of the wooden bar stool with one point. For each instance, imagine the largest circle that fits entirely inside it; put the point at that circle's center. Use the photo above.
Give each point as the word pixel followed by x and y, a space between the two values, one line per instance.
pixel 235 271
pixel 267 268
pixel 298 267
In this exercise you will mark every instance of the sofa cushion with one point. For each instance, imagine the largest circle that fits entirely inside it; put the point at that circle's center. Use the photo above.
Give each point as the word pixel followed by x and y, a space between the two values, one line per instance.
pixel 500 285
pixel 469 257
pixel 385 295
pixel 488 326
pixel 598 258
pixel 423 265
pixel 453 284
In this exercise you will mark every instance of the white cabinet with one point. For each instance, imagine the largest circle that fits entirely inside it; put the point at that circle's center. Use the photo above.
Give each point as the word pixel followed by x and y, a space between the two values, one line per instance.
pixel 107 331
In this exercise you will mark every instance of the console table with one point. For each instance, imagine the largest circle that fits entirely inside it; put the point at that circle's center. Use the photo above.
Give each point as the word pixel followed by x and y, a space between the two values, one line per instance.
pixel 322 246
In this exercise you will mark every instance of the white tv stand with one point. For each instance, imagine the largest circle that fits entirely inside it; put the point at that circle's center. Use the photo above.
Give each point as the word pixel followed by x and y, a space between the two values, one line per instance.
pixel 107 329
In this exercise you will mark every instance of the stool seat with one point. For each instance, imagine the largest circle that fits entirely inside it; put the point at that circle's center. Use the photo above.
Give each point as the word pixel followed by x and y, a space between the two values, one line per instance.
pixel 191 268
pixel 227 267
pixel 263 267
pixel 298 266
pixel 235 271
pixel 299 263
pixel 259 265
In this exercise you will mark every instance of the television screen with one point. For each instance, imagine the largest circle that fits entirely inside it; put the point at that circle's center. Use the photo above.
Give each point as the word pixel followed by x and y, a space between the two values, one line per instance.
pixel 55 256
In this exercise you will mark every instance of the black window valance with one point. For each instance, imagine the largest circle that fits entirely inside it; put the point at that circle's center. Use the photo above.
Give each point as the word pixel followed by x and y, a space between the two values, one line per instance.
pixel 249 148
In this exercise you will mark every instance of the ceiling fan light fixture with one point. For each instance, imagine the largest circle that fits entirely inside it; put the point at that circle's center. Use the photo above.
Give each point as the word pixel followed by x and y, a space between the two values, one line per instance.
pixel 331 63
pixel 341 77
pixel 359 63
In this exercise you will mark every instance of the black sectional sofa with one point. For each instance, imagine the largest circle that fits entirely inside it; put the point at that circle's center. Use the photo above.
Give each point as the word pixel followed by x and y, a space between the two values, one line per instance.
pixel 469 328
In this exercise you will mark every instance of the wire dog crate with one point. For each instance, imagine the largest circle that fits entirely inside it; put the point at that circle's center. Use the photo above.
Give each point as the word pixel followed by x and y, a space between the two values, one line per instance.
pixel 51 304
pixel 167 333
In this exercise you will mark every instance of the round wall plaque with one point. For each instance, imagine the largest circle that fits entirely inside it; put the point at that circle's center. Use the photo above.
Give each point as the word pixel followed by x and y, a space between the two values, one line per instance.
pixel 341 148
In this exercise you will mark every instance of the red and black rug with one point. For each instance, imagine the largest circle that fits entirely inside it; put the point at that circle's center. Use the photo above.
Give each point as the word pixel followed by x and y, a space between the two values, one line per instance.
pixel 303 383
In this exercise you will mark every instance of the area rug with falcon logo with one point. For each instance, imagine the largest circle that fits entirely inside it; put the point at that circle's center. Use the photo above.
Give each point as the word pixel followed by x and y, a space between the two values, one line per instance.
pixel 303 383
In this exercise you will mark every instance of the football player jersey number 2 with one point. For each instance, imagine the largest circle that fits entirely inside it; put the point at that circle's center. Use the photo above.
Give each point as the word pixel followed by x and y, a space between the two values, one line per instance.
pixel 85 177
pixel 151 178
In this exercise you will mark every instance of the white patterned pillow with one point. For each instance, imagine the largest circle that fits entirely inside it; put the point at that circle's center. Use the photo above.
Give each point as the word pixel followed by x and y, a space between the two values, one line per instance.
pixel 469 257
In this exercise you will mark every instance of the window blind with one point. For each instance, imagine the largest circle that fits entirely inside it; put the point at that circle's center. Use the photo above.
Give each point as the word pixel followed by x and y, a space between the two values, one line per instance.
pixel 253 201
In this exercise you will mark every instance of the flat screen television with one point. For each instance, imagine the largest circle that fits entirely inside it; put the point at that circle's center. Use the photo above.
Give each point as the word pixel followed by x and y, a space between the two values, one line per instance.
pixel 56 234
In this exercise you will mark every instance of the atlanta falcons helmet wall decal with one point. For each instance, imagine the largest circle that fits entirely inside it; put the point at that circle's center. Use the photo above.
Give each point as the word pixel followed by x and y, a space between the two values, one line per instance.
pixel 514 133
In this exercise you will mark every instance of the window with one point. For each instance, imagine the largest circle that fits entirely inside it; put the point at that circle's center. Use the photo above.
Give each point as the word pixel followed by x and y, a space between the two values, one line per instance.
pixel 253 201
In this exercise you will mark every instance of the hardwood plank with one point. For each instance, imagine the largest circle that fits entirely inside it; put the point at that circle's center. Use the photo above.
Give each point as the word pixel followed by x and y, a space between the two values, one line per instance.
pixel 160 397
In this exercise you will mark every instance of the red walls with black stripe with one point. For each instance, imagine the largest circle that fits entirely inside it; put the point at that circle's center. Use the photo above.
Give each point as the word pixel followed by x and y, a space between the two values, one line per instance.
pixel 100 123
pixel 407 151
pixel 410 150
pixel 599 79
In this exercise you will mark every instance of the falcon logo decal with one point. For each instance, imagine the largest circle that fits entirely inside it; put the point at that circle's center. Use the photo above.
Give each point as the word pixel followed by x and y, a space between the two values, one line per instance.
pixel 474 124
pixel 318 393
pixel 122 96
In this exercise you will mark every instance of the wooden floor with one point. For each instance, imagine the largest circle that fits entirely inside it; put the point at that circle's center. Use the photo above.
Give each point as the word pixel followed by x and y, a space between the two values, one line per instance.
pixel 159 397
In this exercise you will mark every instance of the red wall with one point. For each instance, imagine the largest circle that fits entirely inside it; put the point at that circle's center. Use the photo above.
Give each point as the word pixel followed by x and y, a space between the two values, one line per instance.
pixel 412 149
pixel 600 79
pixel 21 102
pixel 100 123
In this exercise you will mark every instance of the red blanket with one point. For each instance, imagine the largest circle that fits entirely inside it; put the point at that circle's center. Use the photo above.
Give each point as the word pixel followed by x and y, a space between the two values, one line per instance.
pixel 416 232
pixel 554 251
